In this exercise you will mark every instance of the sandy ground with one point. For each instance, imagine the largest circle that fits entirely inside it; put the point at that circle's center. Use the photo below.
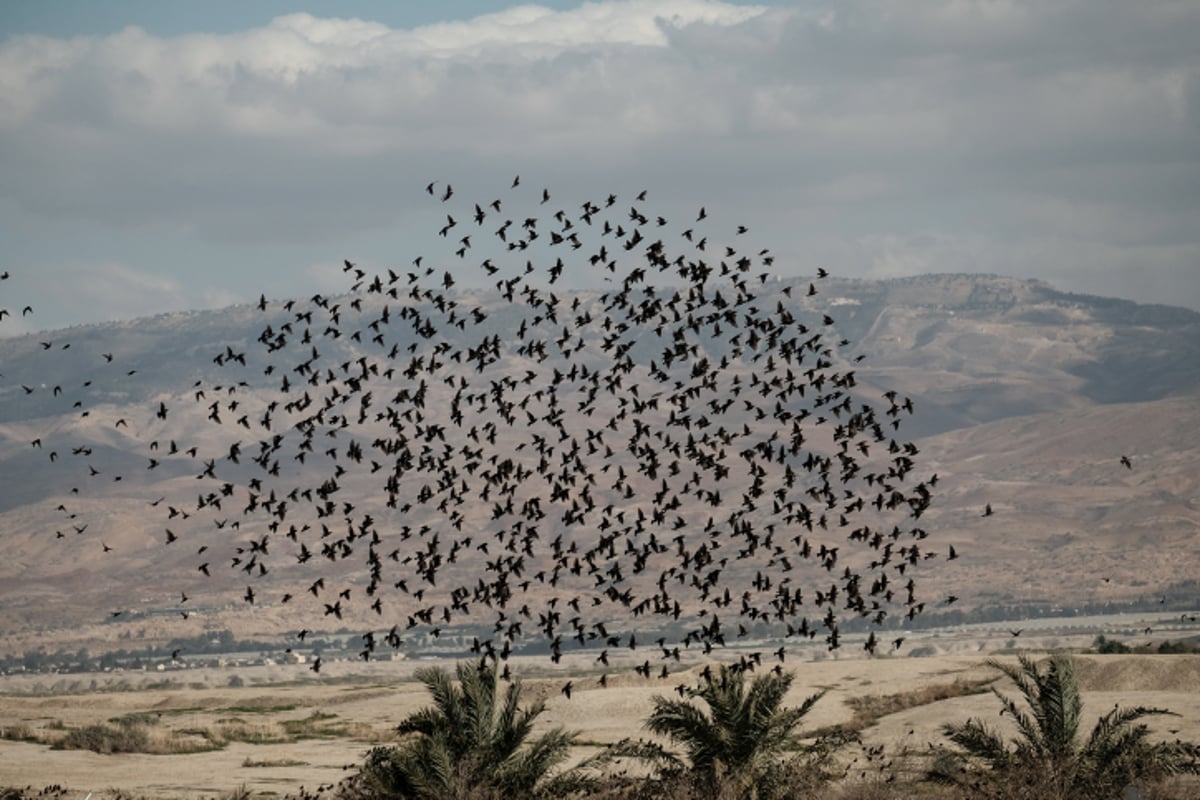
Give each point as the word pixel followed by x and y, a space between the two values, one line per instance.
pixel 371 698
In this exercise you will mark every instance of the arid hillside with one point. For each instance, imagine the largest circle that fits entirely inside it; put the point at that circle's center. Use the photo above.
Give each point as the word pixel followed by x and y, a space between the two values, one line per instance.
pixel 1075 419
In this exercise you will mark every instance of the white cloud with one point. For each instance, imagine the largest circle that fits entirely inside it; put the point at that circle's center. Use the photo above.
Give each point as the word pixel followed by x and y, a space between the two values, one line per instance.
pixel 1069 125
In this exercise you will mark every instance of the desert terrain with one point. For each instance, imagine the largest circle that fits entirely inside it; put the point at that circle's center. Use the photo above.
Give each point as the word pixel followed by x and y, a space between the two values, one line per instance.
pixel 1059 436
pixel 274 730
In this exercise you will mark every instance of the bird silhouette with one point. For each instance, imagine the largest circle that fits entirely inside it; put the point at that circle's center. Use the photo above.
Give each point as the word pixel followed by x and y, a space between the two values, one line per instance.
pixel 683 446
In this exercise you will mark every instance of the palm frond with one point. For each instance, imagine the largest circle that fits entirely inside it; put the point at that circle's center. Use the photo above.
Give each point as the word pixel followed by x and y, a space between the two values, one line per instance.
pixel 683 722
pixel 642 750
pixel 432 765
pixel 1030 732
pixel 1118 749
pixel 513 724
pixel 1059 706
pixel 427 721
pixel 735 742
pixel 478 687
pixel 446 698
pixel 1115 722
pixel 468 740
pixel 522 771
pixel 979 741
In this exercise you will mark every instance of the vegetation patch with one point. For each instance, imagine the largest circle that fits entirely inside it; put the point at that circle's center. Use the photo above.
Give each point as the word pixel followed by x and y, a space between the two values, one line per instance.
pixel 18 733
pixel 136 718
pixel 870 708
pixel 273 762
pixel 1104 645
pixel 132 737
pixel 254 708
pixel 1051 757
pixel 248 733
pixel 475 741
pixel 106 739
pixel 314 727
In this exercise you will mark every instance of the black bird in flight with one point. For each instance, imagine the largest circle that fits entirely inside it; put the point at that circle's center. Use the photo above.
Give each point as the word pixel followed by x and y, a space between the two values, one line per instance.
pixel 600 430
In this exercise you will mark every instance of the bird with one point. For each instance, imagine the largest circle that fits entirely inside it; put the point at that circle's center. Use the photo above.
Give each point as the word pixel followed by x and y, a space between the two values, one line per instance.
pixel 1125 460
pixel 625 416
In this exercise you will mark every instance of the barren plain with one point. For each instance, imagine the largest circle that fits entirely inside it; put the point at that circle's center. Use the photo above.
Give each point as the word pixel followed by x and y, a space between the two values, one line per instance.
pixel 284 730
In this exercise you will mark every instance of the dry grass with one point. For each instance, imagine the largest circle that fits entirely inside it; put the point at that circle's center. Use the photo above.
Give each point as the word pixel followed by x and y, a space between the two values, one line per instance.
pixel 870 708
pixel 273 762
pixel 147 733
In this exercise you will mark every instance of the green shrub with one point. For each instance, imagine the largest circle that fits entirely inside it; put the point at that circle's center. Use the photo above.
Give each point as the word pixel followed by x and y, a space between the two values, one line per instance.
pixel 474 742
pixel 1049 759
pixel 1105 645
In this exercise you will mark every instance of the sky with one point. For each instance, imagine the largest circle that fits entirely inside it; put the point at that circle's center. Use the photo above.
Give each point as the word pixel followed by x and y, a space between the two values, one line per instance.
pixel 167 156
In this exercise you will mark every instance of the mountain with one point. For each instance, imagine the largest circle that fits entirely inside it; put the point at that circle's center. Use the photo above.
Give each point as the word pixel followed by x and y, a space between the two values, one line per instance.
pixel 971 348
pixel 976 349
pixel 1026 399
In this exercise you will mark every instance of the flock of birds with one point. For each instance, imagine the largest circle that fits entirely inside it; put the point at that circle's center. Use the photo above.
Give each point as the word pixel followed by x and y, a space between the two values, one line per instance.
pixel 683 449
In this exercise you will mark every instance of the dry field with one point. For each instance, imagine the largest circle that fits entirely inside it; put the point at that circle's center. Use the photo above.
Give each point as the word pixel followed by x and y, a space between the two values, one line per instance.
pixel 283 730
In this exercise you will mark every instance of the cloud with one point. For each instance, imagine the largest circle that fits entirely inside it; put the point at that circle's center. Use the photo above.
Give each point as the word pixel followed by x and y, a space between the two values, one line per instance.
pixel 888 136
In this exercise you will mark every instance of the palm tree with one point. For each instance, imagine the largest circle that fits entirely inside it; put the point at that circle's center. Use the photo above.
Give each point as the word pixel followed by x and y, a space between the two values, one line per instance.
pixel 1116 753
pixel 743 731
pixel 467 742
